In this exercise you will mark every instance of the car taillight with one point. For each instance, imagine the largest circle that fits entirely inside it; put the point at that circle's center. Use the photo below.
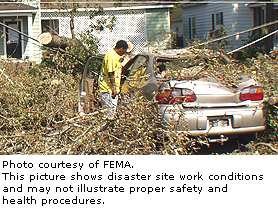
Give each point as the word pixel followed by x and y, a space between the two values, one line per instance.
pixel 175 96
pixel 189 95
pixel 252 93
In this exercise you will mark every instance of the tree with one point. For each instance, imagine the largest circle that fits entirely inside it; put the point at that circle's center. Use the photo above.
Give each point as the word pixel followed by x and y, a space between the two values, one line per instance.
pixel 75 51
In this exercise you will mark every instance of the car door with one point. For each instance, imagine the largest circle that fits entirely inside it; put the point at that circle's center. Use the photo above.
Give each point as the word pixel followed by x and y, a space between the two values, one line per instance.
pixel 88 84
pixel 140 77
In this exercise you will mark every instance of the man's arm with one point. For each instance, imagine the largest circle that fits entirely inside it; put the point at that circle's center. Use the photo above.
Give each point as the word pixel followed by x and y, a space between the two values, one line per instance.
pixel 112 81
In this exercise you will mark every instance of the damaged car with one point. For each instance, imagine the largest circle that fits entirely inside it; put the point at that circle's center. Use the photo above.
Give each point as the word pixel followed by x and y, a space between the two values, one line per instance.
pixel 192 96
pixel 198 93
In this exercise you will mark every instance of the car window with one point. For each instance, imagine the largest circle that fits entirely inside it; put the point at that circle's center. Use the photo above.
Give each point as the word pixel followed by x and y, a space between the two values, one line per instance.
pixel 136 74
pixel 138 69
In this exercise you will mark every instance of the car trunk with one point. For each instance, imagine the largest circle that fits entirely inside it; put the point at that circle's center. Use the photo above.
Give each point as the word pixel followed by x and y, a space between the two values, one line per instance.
pixel 211 93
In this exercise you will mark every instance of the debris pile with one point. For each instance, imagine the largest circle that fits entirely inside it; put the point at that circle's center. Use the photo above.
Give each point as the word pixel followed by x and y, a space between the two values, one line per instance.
pixel 38 114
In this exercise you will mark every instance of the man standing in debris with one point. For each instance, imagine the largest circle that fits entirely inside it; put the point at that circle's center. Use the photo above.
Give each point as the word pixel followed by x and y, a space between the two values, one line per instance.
pixel 110 77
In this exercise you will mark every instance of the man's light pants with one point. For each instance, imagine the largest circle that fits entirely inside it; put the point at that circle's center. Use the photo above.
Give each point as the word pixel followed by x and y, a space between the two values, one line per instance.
pixel 109 103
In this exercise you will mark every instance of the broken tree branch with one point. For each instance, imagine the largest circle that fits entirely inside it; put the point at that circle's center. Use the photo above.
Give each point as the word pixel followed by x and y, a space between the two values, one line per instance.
pixel 55 41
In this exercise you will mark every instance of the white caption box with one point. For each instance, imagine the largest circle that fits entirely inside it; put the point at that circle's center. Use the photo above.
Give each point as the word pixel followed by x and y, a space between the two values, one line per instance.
pixel 138 182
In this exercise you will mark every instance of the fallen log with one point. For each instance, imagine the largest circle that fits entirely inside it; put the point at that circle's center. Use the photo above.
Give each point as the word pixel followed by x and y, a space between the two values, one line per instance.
pixel 55 41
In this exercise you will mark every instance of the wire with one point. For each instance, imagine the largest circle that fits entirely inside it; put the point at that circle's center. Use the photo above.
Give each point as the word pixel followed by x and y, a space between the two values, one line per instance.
pixel 208 42
pixel 18 31
pixel 52 49
pixel 238 33
pixel 24 39
pixel 253 42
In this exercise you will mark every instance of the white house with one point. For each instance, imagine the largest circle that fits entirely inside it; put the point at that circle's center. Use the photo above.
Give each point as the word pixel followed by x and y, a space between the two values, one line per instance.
pixel 25 19
pixel 177 29
pixel 200 20
pixel 146 25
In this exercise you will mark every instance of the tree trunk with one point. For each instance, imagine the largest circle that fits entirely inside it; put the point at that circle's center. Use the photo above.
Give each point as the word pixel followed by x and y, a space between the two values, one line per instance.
pixel 55 41
pixel 72 26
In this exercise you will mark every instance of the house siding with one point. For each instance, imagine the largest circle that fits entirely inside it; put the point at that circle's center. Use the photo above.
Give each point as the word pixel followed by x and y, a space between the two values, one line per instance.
pixel 129 26
pixel 177 24
pixel 25 39
pixel 237 17
pixel 36 54
pixel 148 29
pixel 36 33
pixel 158 29
pixel 2 39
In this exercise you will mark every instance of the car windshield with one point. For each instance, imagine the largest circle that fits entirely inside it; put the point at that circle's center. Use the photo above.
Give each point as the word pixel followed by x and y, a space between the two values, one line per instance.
pixel 174 68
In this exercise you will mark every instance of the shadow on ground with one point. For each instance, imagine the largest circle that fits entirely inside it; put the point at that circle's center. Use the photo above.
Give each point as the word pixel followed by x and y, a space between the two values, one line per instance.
pixel 234 144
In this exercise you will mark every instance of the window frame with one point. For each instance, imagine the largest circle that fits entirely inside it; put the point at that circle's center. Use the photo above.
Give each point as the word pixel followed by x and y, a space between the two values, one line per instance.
pixel 259 16
pixel 51 23
pixel 192 27
pixel 216 22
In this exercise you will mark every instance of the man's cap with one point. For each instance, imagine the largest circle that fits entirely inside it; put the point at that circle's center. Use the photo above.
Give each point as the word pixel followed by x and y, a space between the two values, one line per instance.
pixel 130 46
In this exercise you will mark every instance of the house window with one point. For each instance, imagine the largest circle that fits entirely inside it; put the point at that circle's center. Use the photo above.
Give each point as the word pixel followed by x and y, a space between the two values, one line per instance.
pixel 51 26
pixel 259 19
pixel 217 20
pixel 14 43
pixel 192 27
pixel 259 16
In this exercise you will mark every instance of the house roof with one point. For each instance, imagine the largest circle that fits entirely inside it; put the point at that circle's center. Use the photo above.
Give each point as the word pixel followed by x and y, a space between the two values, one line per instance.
pixel 260 4
pixel 193 4
pixel 53 4
pixel 6 5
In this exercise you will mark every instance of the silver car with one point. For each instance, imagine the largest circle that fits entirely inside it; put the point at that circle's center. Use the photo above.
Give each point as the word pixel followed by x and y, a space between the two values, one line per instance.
pixel 201 106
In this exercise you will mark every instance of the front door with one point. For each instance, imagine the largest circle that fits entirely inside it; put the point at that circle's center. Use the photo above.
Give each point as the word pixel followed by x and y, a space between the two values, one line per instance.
pixel 13 43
